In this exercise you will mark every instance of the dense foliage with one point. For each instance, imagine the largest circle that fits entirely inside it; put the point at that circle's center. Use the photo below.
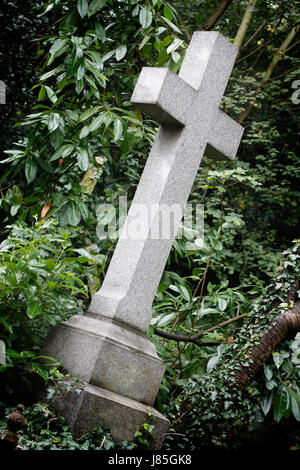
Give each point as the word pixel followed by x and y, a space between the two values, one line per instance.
pixel 82 143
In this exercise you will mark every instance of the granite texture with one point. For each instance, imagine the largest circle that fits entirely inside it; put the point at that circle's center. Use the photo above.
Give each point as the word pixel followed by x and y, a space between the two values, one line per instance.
pixel 187 107
pixel 108 355
pixel 2 92
pixel 108 347
pixel 97 407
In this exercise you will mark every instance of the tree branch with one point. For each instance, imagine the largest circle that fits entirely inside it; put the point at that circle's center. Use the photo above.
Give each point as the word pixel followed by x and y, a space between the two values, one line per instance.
pixel 216 15
pixel 195 338
pixel 185 339
pixel 285 323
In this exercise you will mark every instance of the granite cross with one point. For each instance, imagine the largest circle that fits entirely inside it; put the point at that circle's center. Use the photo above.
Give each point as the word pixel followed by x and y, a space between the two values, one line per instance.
pixel 187 107
pixel 108 347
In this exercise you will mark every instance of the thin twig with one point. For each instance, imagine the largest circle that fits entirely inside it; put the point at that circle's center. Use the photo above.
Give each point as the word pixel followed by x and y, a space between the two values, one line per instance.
pixel 194 338
pixel 102 443
pixel 48 422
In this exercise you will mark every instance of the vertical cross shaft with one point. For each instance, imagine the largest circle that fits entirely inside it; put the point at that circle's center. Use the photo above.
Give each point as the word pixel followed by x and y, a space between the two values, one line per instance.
pixel 187 107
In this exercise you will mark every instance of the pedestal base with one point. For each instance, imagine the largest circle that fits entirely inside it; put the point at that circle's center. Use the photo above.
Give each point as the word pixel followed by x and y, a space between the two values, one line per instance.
pixel 109 355
pixel 122 371
pixel 97 407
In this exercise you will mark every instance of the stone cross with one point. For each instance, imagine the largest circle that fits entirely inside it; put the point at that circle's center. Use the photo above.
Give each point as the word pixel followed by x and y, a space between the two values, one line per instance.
pixel 108 347
pixel 2 92
pixel 186 106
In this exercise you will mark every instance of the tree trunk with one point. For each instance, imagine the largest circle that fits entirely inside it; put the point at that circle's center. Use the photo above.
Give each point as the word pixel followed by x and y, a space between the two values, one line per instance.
pixel 277 57
pixel 285 323
pixel 280 53
pixel 244 24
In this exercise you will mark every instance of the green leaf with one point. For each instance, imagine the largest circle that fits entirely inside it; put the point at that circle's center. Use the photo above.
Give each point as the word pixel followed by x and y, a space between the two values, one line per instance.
pixel 40 370
pixel 80 71
pixel 168 12
pixel 73 213
pixel 30 169
pixel 118 129
pixel 57 138
pixel 279 358
pixel 121 52
pixel 41 93
pixel 145 17
pixel 215 359
pixel 92 83
pixel 172 25
pixel 53 121
pixel 95 6
pixel 84 132
pixel 184 290
pixel 57 48
pixel 212 363
pixel 33 309
pixel 281 404
pixel 174 45
pixel 144 41
pixel 295 402
pixel 79 86
pixel 100 32
pixel 82 158
pixel 88 113
pixel 136 10
pixel 268 372
pixel 176 57
pixel 222 304
pixel 82 7
pixel 96 123
pixel 165 319
pixel 62 152
pixel 266 403
pixel 50 93
pixel 74 60
pixel 15 155
pixel 49 74
pixel 108 55
pixel 84 253
pixel 12 353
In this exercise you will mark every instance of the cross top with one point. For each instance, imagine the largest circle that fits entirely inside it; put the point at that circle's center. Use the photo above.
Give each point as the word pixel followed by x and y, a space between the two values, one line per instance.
pixel 187 107
pixel 192 98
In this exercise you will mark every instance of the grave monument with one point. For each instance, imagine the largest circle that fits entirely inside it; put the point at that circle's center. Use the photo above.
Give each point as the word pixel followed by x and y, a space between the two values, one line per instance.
pixel 108 347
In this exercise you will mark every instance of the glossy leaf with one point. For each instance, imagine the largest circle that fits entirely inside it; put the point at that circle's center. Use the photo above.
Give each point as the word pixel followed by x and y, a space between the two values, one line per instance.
pixel 145 17
pixel 82 7
pixel 30 169
pixel 95 6
pixel 121 52
pixel 82 159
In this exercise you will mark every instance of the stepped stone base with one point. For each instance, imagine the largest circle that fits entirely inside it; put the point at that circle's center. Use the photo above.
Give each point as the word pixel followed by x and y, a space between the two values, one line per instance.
pixel 122 371
pixel 109 355
pixel 95 406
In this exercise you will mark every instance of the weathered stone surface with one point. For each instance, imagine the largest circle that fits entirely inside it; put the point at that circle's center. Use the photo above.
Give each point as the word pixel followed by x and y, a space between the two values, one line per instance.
pixel 98 407
pixel 108 347
pixel 187 106
pixel 2 92
pixel 108 355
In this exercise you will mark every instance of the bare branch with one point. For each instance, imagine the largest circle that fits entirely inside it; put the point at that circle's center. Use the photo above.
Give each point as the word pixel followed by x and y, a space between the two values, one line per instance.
pixel 216 14
pixel 195 338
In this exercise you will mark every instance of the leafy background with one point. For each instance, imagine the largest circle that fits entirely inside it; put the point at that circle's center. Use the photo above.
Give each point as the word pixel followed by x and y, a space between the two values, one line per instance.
pixel 71 140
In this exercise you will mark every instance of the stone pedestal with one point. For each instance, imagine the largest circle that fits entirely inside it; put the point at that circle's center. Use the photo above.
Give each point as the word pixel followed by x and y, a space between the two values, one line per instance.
pixel 95 406
pixel 122 371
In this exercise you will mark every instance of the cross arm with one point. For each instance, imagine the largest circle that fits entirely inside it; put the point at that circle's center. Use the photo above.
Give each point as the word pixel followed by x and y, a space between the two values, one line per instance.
pixel 224 139
pixel 163 95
